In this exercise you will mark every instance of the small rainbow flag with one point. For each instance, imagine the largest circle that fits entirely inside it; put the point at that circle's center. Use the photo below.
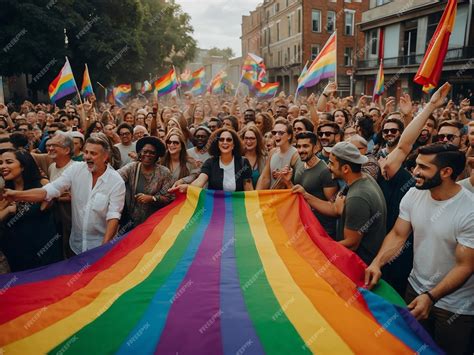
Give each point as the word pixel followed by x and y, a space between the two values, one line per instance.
pixel 212 273
pixel 86 89
pixel 199 74
pixel 146 87
pixel 429 72
pixel 379 86
pixel 197 81
pixel 217 84
pixel 323 66
pixel 186 79
pixel 254 63
pixel 266 90
pixel 63 85
pixel 121 92
pixel 167 83
pixel 300 79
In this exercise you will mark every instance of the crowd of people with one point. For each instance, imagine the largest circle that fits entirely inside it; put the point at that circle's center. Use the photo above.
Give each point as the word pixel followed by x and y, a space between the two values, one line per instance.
pixel 391 180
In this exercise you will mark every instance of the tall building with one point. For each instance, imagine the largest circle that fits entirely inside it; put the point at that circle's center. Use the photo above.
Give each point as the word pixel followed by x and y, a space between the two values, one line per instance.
pixel 251 32
pixel 292 32
pixel 407 28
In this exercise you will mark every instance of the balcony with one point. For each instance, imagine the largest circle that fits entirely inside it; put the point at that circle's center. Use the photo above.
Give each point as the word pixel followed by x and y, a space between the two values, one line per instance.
pixel 453 55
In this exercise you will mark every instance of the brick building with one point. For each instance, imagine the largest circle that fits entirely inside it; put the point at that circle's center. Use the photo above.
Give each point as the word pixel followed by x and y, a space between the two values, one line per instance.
pixel 293 32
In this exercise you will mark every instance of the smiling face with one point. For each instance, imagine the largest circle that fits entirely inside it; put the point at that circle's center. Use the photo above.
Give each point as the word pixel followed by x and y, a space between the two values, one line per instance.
pixel 391 134
pixel 327 136
pixel 148 155
pixel 125 136
pixel 55 148
pixel 426 173
pixel 340 119
pixel 200 138
pixel 305 149
pixel 10 167
pixel 280 135
pixel 173 144
pixel 226 143
pixel 96 157
pixel 448 134
pixel 250 140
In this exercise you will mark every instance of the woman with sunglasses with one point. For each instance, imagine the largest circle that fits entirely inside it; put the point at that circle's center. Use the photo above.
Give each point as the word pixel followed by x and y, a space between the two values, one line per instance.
pixel 226 170
pixel 184 169
pixel 255 151
pixel 147 182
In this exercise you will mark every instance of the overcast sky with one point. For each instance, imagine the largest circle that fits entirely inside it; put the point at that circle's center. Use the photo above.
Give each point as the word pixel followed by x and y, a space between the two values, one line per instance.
pixel 217 23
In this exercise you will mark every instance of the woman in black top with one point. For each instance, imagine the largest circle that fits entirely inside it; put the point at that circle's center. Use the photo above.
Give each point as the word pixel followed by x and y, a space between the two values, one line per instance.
pixel 226 170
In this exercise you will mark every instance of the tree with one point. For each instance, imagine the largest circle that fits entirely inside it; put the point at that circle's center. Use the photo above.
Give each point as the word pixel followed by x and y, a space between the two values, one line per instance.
pixel 227 53
pixel 121 41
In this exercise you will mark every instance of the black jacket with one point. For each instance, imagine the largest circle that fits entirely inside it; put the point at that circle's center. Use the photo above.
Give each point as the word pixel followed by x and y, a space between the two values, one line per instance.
pixel 211 168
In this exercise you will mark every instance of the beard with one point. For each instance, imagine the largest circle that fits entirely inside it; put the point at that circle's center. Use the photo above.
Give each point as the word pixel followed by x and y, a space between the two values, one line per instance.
pixel 430 183
pixel 424 137
pixel 393 142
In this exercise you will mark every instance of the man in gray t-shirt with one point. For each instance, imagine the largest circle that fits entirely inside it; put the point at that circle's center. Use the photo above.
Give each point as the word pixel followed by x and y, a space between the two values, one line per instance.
pixel 126 147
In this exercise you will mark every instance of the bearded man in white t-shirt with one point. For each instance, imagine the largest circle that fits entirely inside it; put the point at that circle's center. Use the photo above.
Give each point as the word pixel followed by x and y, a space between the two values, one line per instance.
pixel 440 212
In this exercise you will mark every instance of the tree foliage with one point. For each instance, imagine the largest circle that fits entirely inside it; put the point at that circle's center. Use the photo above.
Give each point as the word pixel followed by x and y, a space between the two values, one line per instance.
pixel 227 53
pixel 121 41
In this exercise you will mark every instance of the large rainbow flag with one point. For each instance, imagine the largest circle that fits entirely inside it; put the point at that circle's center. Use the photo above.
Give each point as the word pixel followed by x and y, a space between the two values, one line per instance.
pixel 212 273
pixel 63 85
pixel 323 66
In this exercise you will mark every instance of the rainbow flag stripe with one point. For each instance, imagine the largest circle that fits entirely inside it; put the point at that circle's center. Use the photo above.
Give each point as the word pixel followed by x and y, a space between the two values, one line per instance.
pixel 266 90
pixel 86 89
pixel 121 92
pixel 323 66
pixel 212 273
pixel 199 74
pixel 217 84
pixel 249 78
pixel 167 83
pixel 431 67
pixel 63 85
pixel 379 86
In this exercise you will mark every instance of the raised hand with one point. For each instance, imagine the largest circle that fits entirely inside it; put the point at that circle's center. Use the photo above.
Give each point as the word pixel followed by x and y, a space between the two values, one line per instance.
pixel 406 105
pixel 439 97
pixel 330 88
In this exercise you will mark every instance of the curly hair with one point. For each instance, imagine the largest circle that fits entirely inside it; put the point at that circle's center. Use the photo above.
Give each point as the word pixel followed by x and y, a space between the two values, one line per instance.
pixel 214 142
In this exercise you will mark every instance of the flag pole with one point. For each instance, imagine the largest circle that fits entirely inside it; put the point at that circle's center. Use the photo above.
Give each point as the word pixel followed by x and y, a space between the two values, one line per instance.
pixel 335 74
pixel 75 85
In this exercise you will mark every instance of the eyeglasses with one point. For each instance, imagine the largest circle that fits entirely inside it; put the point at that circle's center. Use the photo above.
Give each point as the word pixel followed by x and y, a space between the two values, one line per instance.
pixel 326 134
pixel 124 134
pixel 225 139
pixel 449 137
pixel 279 133
pixel 148 152
pixel 201 137
pixel 51 132
pixel 172 142
pixel 390 130
pixel 52 145
pixel 249 138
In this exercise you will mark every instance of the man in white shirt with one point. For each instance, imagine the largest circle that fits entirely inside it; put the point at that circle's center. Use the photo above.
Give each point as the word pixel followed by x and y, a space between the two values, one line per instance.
pixel 97 196
pixel 441 215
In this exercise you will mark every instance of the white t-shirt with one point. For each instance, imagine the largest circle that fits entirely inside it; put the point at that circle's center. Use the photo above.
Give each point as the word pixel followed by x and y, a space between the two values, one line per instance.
pixel 438 226
pixel 124 150
pixel 467 184
pixel 229 176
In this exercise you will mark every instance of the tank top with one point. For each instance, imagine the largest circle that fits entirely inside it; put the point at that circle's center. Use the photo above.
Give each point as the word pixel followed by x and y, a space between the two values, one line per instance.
pixel 279 160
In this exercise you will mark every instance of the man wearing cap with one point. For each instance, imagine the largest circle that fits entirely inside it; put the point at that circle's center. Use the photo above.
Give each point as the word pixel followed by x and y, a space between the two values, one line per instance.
pixel 199 152
pixel 97 196
pixel 362 224
pixel 78 139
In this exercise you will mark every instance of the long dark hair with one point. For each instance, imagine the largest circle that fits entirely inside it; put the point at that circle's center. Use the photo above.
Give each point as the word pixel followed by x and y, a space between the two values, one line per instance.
pixel 30 174
pixel 183 154
pixel 214 142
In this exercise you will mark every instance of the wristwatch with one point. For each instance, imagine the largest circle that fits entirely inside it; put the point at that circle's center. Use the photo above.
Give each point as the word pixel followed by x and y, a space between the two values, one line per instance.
pixel 154 199
pixel 428 293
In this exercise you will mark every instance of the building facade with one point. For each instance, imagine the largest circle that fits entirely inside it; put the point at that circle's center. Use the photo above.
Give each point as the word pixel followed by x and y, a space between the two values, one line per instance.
pixel 292 32
pixel 407 28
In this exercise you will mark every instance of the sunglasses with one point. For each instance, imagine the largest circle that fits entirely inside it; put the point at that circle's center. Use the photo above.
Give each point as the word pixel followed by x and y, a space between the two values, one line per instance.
pixel 449 137
pixel 124 134
pixel 148 152
pixel 279 133
pixel 172 142
pixel 225 139
pixel 326 134
pixel 390 130
pixel 249 138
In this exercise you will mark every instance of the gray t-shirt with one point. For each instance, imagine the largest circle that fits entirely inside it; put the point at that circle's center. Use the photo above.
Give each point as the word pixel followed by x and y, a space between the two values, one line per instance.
pixel 199 157
pixel 314 180
pixel 124 150
pixel 365 211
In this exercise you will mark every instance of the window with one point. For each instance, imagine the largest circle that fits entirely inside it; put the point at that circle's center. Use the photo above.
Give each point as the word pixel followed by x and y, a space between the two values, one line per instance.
pixel 331 21
pixel 314 51
pixel 278 31
pixel 287 2
pixel 299 20
pixel 287 59
pixel 298 54
pixel 277 7
pixel 348 56
pixel 289 26
pixel 349 23
pixel 372 41
pixel 316 20
pixel 279 58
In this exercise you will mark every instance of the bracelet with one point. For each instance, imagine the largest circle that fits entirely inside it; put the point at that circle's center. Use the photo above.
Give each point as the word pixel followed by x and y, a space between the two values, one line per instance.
pixel 428 293
pixel 325 95
pixel 154 199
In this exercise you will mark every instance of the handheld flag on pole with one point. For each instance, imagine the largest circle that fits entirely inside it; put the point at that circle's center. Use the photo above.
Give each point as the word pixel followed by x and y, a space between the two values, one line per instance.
pixel 63 85
pixel 146 87
pixel 266 90
pixel 429 72
pixel 167 83
pixel 379 86
pixel 86 89
pixel 197 79
pixel 217 83
pixel 323 66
